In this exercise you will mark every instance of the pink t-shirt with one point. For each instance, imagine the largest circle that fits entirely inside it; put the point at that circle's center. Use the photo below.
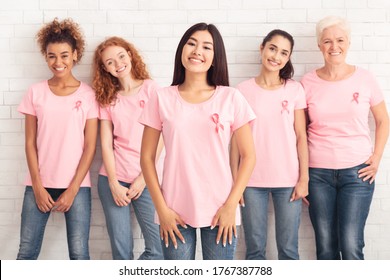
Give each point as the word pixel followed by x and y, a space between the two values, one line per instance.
pixel 273 131
pixel 127 131
pixel 197 179
pixel 338 132
pixel 60 131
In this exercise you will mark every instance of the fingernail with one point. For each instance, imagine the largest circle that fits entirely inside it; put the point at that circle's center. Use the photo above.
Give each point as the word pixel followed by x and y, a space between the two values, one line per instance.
pixel 166 245
pixel 242 205
pixel 175 247
pixel 185 226
pixel 184 242
pixel 230 242
pixel 224 244
pixel 217 242
pixel 212 227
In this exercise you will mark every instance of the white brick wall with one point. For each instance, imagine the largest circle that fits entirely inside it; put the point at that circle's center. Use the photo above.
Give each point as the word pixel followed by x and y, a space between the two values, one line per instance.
pixel 155 27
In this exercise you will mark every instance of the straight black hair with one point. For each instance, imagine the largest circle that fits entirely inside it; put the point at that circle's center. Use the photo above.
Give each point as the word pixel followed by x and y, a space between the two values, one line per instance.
pixel 287 72
pixel 217 75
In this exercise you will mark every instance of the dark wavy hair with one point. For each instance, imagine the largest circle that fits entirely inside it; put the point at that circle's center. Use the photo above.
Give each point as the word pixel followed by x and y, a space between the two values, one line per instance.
pixel 287 72
pixel 217 75
pixel 65 31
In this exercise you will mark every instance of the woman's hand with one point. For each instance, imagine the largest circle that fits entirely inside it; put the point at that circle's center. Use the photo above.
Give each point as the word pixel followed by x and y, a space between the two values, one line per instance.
pixel 300 191
pixel 43 199
pixel 119 194
pixel 65 201
pixel 136 188
pixel 369 172
pixel 225 218
pixel 168 227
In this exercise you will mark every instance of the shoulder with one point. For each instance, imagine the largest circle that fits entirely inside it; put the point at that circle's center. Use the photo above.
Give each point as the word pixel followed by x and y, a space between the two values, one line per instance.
pixel 293 85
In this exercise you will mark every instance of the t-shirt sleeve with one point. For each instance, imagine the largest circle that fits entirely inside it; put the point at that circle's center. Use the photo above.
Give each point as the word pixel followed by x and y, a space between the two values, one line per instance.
pixel 104 113
pixel 243 112
pixel 376 92
pixel 151 113
pixel 93 111
pixel 300 102
pixel 26 106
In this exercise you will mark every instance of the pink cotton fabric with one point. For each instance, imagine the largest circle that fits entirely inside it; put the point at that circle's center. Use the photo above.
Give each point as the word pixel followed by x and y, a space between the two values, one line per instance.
pixel 127 131
pixel 197 179
pixel 273 131
pixel 338 133
pixel 60 131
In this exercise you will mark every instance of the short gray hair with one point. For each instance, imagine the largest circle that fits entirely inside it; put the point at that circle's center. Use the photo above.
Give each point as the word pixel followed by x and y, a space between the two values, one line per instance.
pixel 332 21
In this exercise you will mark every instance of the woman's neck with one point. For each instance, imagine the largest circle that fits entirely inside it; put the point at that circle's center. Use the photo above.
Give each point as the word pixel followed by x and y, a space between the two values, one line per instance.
pixel 130 86
pixel 195 89
pixel 331 72
pixel 269 80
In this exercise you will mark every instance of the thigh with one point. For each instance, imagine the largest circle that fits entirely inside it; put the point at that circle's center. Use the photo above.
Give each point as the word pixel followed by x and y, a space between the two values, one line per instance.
pixel 256 207
pixel 78 220
pixel 213 251
pixel 118 219
pixel 184 251
pixel 354 200
pixel 33 226
pixel 322 197
pixel 287 213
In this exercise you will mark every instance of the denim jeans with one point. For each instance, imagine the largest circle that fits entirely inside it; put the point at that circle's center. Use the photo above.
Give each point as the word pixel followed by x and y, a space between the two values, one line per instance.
pixel 118 220
pixel 339 206
pixel 255 221
pixel 34 223
pixel 210 249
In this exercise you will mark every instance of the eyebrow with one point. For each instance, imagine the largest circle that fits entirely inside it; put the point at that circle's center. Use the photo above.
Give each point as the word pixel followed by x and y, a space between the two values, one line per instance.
pixel 205 42
pixel 120 52
pixel 275 46
pixel 64 52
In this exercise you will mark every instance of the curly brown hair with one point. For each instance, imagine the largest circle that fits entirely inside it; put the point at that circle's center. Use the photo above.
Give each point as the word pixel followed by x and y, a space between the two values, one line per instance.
pixel 105 85
pixel 65 31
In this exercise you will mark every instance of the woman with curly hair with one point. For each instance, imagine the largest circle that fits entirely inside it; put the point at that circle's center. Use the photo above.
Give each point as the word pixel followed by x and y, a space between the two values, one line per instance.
pixel 61 130
pixel 123 87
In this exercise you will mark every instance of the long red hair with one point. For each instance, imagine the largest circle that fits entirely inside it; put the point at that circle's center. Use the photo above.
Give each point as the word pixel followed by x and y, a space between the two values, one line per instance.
pixel 105 85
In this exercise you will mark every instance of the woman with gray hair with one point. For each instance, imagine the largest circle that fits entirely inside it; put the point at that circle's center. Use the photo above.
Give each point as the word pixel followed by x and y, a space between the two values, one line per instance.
pixel 343 162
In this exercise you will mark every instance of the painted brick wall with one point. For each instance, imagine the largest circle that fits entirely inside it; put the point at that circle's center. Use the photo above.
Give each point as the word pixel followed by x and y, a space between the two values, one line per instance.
pixel 155 27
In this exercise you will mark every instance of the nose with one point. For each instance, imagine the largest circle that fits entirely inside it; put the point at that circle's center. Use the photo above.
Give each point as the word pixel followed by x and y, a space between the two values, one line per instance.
pixel 196 51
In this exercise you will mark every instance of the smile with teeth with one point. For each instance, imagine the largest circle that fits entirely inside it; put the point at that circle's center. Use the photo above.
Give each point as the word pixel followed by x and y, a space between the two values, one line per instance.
pixel 197 60
pixel 121 69
pixel 59 68
pixel 335 53
pixel 273 63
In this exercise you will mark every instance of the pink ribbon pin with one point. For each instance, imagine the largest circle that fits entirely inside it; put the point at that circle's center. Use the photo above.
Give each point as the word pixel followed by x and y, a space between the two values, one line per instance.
pixel 285 107
pixel 142 103
pixel 356 97
pixel 215 118
pixel 78 105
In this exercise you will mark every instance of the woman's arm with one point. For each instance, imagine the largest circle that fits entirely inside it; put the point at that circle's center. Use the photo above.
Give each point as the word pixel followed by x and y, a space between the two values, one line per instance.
pixel 168 218
pixel 381 117
pixel 119 192
pixel 42 198
pixel 65 201
pixel 225 217
pixel 301 189
pixel 139 184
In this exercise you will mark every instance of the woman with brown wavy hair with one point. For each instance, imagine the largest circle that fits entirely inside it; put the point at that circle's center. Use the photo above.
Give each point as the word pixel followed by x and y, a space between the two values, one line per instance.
pixel 123 87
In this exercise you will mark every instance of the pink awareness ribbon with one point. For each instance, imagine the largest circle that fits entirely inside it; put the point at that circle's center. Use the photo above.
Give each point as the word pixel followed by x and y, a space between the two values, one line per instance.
pixel 215 118
pixel 142 103
pixel 356 97
pixel 78 105
pixel 285 107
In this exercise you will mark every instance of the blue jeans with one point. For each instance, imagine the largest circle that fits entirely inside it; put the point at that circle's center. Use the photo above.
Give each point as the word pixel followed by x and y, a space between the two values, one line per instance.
pixel 255 220
pixel 34 223
pixel 118 220
pixel 210 249
pixel 339 206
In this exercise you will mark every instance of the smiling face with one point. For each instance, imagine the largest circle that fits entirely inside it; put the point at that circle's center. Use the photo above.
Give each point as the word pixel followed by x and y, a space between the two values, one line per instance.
pixel 334 45
pixel 60 58
pixel 116 61
pixel 198 52
pixel 275 53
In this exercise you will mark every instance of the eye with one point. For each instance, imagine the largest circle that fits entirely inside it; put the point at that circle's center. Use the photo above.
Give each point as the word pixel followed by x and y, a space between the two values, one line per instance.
pixel 207 48
pixel 284 54
pixel 122 56
pixel 109 63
